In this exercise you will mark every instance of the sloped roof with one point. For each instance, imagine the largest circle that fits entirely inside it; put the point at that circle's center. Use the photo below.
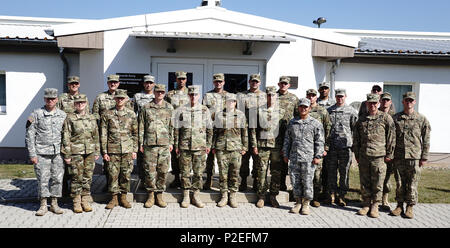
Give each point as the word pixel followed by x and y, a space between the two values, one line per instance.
pixel 403 46
pixel 24 32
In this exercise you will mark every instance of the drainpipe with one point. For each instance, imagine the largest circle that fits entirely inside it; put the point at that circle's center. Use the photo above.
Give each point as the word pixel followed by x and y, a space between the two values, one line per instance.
pixel 333 76
pixel 65 67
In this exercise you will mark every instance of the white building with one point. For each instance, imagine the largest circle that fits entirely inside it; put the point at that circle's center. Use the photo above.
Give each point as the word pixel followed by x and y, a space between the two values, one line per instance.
pixel 203 41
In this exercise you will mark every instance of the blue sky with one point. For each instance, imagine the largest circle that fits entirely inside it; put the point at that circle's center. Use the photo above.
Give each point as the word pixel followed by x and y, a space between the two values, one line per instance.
pixel 399 15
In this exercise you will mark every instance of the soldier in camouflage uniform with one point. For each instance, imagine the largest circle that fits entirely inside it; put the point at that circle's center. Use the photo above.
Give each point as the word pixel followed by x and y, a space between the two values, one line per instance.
pixel 385 106
pixel 229 144
pixel 248 102
pixel 343 119
pixel 215 101
pixel 373 145
pixel 321 114
pixel 119 144
pixel 289 102
pixel 411 153
pixel 192 140
pixel 266 142
pixel 177 98
pixel 66 104
pixel 156 143
pixel 376 89
pixel 324 99
pixel 81 147
pixel 303 148
pixel 43 140
pixel 139 101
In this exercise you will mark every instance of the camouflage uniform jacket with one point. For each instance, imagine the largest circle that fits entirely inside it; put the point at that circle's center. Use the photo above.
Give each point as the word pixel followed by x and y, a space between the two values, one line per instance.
pixel 289 102
pixel 321 114
pixel 119 132
pixel 390 112
pixel 412 136
pixel 267 134
pixel 326 103
pixel 343 120
pixel 193 128
pixel 43 134
pixel 230 131
pixel 304 140
pixel 140 100
pixel 80 135
pixel 215 101
pixel 374 136
pixel 66 104
pixel 155 125
pixel 177 98
pixel 249 102
pixel 104 102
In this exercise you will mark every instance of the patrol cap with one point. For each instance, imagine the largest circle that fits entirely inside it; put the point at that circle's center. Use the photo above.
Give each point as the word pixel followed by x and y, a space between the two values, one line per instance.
pixel 218 77
pixel 149 78
pixel 285 79
pixel 311 91
pixel 80 98
pixel 373 98
pixel 255 77
pixel 50 93
pixel 160 87
pixel 386 95
pixel 271 90
pixel 73 79
pixel 180 74
pixel 304 102
pixel 230 97
pixel 121 93
pixel 113 78
pixel 340 92
pixel 193 89
pixel 324 84
pixel 376 87
pixel 409 95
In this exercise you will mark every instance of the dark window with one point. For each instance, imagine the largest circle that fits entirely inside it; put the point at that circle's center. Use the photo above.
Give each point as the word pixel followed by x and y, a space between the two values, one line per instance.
pixel 132 82
pixel 235 83
pixel 173 80
pixel 2 93
pixel 294 82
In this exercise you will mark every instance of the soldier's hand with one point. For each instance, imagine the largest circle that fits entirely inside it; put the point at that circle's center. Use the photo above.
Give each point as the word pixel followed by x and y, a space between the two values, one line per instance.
pixel 286 159
pixel 96 157
pixel 170 148
pixel 134 155
pixel 422 162
pixel 316 161
pixel 67 160
pixel 255 150
pixel 106 157
pixel 387 160
pixel 141 149
pixel 324 153
pixel 213 151
pixel 243 152
pixel 34 160
pixel 177 151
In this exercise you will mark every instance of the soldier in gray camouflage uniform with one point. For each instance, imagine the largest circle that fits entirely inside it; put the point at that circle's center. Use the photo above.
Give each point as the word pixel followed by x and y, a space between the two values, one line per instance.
pixel 411 153
pixel 229 144
pixel 303 149
pixel 81 147
pixel 343 119
pixel 119 144
pixel 215 101
pixel 43 140
pixel 156 143
pixel 192 141
pixel 373 145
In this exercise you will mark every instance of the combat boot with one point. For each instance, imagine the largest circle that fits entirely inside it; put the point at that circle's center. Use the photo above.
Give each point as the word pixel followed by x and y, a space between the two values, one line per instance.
pixel 186 199
pixel 54 206
pixel 385 202
pixel 331 199
pixel 176 182
pixel 365 209
pixel 77 204
pixel 296 208
pixel 224 200
pixel 85 203
pixel 398 210
pixel 274 202
pixel 233 202
pixel 243 185
pixel 409 211
pixel 160 201
pixel 374 210
pixel 123 201
pixel 43 208
pixel 113 202
pixel 305 207
pixel 208 182
pixel 196 199
pixel 150 200
pixel 260 202
pixel 341 201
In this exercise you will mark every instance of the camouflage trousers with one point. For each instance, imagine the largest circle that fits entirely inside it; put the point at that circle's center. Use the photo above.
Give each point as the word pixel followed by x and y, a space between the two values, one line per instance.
pixel 268 157
pixel 156 166
pixel 229 165
pixel 338 160
pixel 387 187
pixel 244 172
pixel 409 172
pixel 372 171
pixel 49 174
pixel 302 175
pixel 317 180
pixel 119 171
pixel 192 161
pixel 139 167
pixel 82 167
pixel 210 164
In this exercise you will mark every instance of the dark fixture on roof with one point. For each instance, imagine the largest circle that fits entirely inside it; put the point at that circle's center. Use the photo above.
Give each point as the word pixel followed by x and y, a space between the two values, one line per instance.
pixel 319 21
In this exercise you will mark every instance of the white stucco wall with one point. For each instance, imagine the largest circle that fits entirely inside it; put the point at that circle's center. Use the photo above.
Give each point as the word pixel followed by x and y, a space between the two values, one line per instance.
pixel 92 80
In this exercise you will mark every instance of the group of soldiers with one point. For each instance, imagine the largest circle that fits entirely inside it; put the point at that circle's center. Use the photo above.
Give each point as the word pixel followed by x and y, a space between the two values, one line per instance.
pixel 312 139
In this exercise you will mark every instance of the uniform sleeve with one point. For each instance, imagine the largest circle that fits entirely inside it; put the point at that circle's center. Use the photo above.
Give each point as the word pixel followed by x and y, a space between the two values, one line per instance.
pixel 356 140
pixel 296 113
pixel 244 134
pixel 209 128
pixel 327 129
pixel 141 127
pixel 390 137
pixel 319 141
pixel 96 108
pixel 134 132
pixel 30 136
pixel 103 135
pixel 176 128
pixel 66 135
pixel 287 141
pixel 95 134
pixel 426 130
